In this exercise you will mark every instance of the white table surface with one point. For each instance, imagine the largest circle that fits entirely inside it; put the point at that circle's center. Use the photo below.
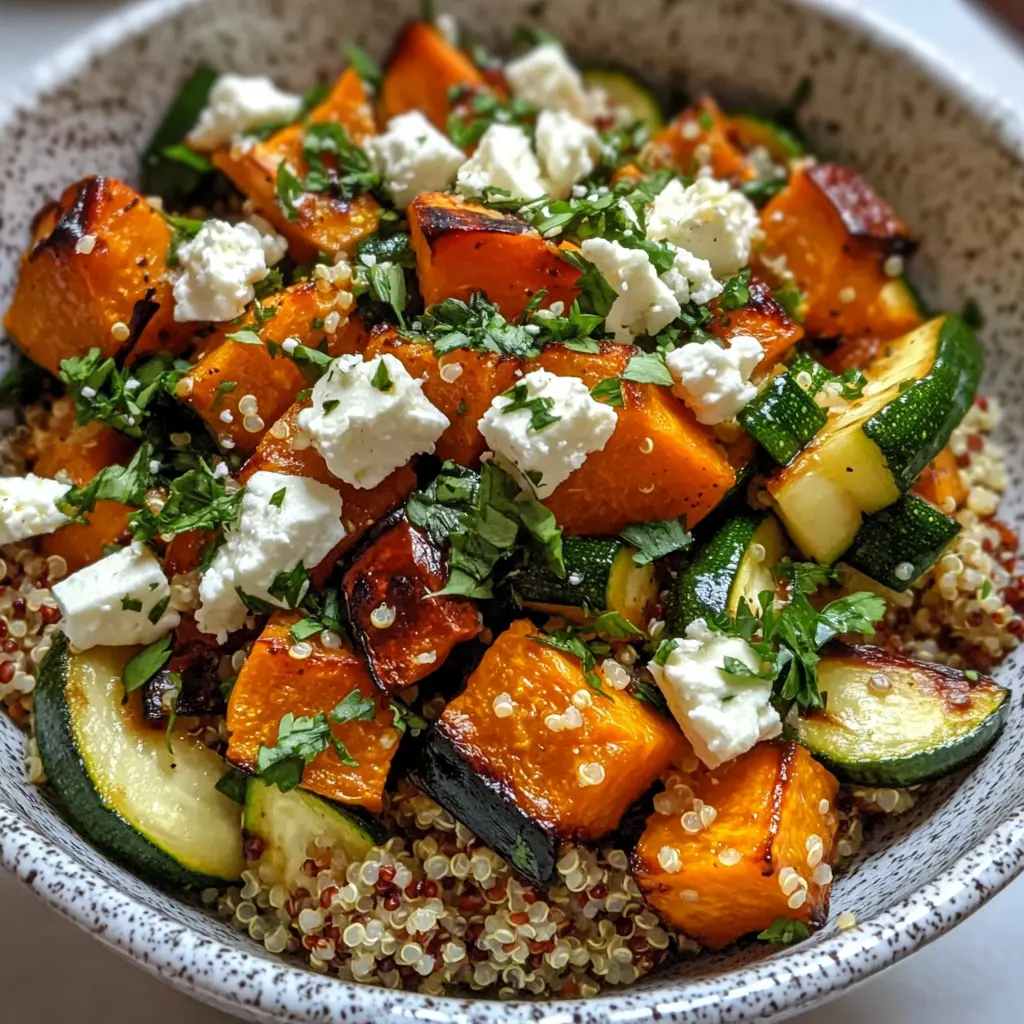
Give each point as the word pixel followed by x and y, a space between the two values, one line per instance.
pixel 971 975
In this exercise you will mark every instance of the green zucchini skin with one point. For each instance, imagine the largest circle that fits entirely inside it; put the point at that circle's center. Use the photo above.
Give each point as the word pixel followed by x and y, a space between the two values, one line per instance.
pixel 856 740
pixel 624 89
pixel 483 806
pixel 103 827
pixel 912 532
pixel 783 418
pixel 916 425
pixel 587 560
pixel 820 375
pixel 756 129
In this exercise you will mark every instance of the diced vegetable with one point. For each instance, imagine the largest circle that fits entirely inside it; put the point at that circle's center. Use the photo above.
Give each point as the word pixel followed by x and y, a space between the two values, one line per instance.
pixel 95 276
pixel 763 319
pixel 734 564
pixel 735 875
pixel 625 91
pixel 783 417
pixel 890 721
pixel 753 131
pixel 600 576
pixel 702 125
pixel 462 247
pixel 405 633
pixel 155 811
pixel 941 482
pixel 918 389
pixel 496 767
pixel 274 682
pixel 900 543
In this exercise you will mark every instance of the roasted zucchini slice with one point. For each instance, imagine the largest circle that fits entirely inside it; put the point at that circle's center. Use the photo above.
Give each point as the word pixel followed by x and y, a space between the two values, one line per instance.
pixel 753 131
pixel 890 721
pixel 155 811
pixel 783 418
pixel 625 90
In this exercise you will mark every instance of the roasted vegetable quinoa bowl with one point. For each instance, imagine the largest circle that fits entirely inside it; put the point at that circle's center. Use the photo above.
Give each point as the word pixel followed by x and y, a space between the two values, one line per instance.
pixel 495 526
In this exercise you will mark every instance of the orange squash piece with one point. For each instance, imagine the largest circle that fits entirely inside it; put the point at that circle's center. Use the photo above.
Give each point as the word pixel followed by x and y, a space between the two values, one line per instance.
pixel 697 137
pixel 480 378
pixel 539 769
pixel 941 482
pixel 81 453
pixel 325 223
pixel 462 247
pixel 423 70
pixel 736 875
pixel 762 318
pixel 659 464
pixel 835 234
pixel 229 371
pixel 97 261
pixel 400 569
pixel 272 684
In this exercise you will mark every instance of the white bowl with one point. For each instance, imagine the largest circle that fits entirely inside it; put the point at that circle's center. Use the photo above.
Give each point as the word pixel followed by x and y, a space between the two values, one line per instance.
pixel 948 157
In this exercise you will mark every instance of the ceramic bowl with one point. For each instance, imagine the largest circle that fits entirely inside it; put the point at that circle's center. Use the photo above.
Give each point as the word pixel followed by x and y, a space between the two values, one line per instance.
pixel 947 156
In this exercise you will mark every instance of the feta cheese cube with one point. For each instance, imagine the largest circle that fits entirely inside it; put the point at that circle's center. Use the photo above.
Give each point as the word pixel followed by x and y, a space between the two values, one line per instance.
pixel 367 419
pixel 708 219
pixel 414 157
pixel 568 149
pixel 503 159
pixel 27 507
pixel 722 716
pixel 714 381
pixel 543 456
pixel 121 599
pixel 547 78
pixel 220 266
pixel 236 105
pixel 283 520
pixel 645 303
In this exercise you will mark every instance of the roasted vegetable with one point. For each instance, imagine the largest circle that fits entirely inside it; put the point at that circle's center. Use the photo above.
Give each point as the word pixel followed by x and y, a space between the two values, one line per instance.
pixel 756 859
pixel 462 247
pixel 274 683
pixel 95 276
pixel 755 131
pixel 405 633
pixel 941 483
pixel 513 780
pixel 154 810
pixel 697 137
pixel 890 721
pixel 626 92
pixel 783 418
pixel 762 318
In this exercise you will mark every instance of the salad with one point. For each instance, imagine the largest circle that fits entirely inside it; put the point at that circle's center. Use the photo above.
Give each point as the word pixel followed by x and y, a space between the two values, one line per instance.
pixel 477 534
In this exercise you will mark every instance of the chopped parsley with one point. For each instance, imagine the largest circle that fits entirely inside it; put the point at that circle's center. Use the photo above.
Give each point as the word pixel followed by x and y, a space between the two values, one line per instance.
pixel 146 664
pixel 608 391
pixel 784 931
pixel 538 407
pixel 736 291
pixel 277 498
pixel 648 368
pixel 196 500
pixel 381 379
pixel 477 325
pixel 655 540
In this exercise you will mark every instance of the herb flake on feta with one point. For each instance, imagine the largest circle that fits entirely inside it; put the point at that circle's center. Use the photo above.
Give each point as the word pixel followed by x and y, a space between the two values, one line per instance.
pixel 414 157
pixel 28 507
pixel 715 381
pixel 237 104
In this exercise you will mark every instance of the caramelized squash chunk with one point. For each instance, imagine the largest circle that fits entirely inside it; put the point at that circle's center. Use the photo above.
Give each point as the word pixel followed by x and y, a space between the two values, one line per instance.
pixel 572 784
pixel 698 137
pixel 659 464
pixel 95 276
pixel 422 72
pixel 325 223
pixel 273 684
pixel 763 319
pixel 941 482
pixel 398 571
pixel 773 825
pixel 835 234
pixel 462 384
pixel 462 247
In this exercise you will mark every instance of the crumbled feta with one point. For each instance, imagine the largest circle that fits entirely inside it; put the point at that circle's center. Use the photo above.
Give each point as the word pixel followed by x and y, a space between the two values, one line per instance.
pixel 691 278
pixel 547 78
pixel 121 599
pixel 367 419
pixel 413 156
pixel 220 266
pixel 567 148
pixel 236 105
pixel 269 537
pixel 503 159
pixel 722 716
pixel 714 381
pixel 545 457
pixel 27 507
pixel 709 219
pixel 645 302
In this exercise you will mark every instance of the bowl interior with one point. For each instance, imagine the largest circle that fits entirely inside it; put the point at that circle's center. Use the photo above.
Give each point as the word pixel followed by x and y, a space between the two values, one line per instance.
pixel 945 159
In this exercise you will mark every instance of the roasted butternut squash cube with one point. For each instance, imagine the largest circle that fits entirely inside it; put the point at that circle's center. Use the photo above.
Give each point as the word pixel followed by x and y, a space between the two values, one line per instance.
pixel 284 450
pixel 462 384
pixel 941 482
pixel 763 319
pixel 659 464
pixel 325 223
pixel 273 684
pixel 835 234
pixel 229 372
pixel 95 276
pixel 696 138
pixel 462 247
pixel 81 452
pixel 397 572
pixel 756 860
pixel 423 70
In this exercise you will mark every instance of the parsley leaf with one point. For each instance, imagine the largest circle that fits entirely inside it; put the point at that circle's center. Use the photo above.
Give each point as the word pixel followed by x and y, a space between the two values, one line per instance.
pixel 381 379
pixel 608 391
pixel 736 291
pixel 539 407
pixel 277 498
pixel 784 931
pixel 569 641
pixel 233 784
pixel 306 628
pixel 290 586
pixel 124 484
pixel 289 191
pixel 477 325
pixel 473 111
pixel 648 368
pixel 354 708
pixel 196 500
pixel 146 664
pixel 405 719
pixel 299 740
pixel 656 539
pixel 365 66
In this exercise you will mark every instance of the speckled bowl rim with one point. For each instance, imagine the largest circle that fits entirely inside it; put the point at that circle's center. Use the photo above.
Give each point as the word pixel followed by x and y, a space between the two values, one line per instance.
pixel 281 991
